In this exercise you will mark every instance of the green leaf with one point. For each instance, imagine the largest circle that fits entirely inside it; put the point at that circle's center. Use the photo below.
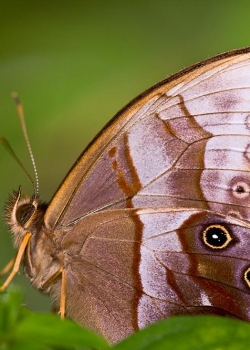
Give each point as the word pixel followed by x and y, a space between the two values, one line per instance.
pixel 191 333
pixel 10 311
pixel 50 330
pixel 21 329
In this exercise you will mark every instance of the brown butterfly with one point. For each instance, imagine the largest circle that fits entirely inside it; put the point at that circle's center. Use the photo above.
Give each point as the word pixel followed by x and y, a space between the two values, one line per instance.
pixel 153 218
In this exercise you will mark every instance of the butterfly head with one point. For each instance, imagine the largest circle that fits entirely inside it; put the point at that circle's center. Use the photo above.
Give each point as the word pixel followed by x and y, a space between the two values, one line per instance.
pixel 22 214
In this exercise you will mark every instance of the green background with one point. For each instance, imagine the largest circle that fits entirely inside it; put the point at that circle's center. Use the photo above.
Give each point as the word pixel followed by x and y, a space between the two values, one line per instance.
pixel 76 63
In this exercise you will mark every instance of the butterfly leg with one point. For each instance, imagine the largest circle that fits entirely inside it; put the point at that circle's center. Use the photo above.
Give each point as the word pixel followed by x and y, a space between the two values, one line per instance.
pixel 59 272
pixel 17 261
pixel 63 294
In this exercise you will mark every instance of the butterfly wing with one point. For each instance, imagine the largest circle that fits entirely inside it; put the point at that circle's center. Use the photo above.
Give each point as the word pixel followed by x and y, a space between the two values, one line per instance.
pixel 139 266
pixel 184 143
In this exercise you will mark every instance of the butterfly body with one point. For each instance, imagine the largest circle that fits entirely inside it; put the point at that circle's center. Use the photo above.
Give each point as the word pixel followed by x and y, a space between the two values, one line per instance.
pixel 153 218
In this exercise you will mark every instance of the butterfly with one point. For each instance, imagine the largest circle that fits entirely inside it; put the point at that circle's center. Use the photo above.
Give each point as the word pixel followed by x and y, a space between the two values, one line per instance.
pixel 153 218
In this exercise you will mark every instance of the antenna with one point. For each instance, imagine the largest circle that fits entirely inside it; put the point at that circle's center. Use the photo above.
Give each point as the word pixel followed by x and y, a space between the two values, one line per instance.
pixel 6 144
pixel 19 107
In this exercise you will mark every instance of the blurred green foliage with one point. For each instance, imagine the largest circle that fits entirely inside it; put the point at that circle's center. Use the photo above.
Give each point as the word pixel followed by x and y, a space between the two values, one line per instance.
pixel 21 329
pixel 76 63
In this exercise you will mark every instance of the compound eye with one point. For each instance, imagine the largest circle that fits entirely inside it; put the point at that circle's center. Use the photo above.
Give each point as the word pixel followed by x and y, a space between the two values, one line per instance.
pixel 24 213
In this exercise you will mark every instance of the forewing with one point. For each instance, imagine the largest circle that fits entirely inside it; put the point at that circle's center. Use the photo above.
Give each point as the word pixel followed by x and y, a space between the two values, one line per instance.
pixel 184 143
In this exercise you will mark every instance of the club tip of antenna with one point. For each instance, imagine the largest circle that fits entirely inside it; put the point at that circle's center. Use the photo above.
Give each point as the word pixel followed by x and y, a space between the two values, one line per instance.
pixel 16 98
